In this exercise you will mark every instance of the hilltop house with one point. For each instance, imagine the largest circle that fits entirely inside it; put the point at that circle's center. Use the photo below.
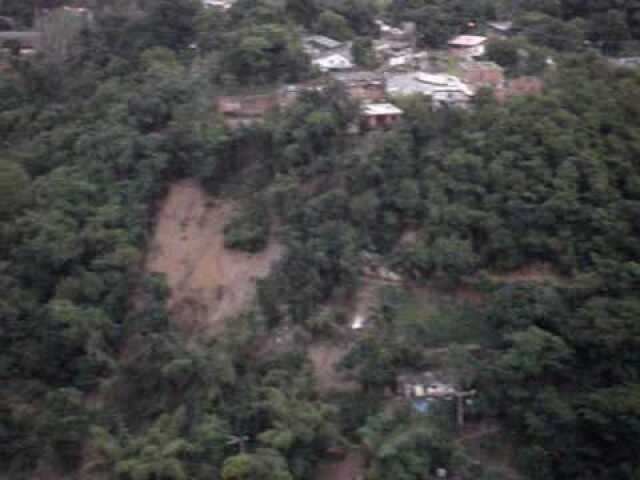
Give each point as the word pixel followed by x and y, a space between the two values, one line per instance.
pixel 500 29
pixel 467 46
pixel 441 88
pixel 218 4
pixel 379 115
pixel 331 62
pixel 362 85
pixel 245 110
pixel 25 41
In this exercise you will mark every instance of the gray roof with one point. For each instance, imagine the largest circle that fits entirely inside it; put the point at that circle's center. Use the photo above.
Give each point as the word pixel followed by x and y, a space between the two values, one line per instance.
pixel 26 37
pixel 501 26
pixel 424 83
pixel 358 77
pixel 631 62
pixel 323 41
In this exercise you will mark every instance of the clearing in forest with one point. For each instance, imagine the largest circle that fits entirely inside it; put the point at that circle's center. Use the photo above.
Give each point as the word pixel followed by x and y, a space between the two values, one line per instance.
pixel 208 282
pixel 325 358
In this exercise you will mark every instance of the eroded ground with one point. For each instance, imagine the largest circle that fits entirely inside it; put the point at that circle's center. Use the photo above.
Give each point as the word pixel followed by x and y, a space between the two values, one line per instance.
pixel 208 282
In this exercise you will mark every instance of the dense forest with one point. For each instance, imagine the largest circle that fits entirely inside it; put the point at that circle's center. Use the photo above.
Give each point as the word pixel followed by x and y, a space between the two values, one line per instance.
pixel 98 382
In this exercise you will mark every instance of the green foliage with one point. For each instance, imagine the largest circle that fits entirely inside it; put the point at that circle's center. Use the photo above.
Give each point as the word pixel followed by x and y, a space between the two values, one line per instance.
pixel 14 182
pixel 405 446
pixel 363 54
pixel 94 370
pixel 438 21
pixel 262 465
pixel 265 53
pixel 249 231
pixel 503 52
pixel 333 25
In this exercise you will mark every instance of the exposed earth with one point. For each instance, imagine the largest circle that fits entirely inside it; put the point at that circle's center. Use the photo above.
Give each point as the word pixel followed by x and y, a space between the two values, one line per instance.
pixel 208 283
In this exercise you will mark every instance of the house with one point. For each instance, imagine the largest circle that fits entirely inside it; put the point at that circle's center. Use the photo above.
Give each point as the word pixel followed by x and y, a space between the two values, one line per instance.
pixel 443 89
pixel 467 46
pixel 500 29
pixel 407 30
pixel 319 46
pixel 625 62
pixel 385 49
pixel 335 61
pixel 321 42
pixel 218 4
pixel 25 41
pixel 407 60
pixel 362 85
pixel 377 115
pixel 245 110
pixel 482 74
pixel 288 94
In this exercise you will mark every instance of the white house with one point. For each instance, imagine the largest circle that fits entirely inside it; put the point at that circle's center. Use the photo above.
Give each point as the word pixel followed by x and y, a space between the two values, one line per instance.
pixel 335 61
pixel 441 88
pixel 468 46
pixel 376 115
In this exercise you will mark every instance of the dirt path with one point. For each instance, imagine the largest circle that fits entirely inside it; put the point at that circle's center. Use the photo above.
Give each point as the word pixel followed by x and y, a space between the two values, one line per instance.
pixel 208 282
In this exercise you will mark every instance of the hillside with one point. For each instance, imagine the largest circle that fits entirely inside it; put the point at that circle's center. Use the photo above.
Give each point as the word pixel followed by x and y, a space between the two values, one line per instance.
pixel 255 240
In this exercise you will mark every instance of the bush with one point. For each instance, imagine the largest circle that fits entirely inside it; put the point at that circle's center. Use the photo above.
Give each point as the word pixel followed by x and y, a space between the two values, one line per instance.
pixel 249 231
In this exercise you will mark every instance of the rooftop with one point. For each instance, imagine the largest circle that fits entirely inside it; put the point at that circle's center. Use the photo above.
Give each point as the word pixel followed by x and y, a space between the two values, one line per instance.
pixel 325 42
pixel 13 35
pixel 501 26
pixel 425 83
pixel 358 77
pixel 335 61
pixel 381 109
pixel 467 41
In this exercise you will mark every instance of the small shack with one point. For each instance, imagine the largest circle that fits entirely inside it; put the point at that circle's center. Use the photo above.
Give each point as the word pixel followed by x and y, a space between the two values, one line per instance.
pixel 335 61
pixel 362 85
pixel 467 46
pixel 379 115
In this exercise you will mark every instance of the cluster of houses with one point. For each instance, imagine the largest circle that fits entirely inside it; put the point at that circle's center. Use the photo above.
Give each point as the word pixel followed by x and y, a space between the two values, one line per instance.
pixel 403 71
pixel 27 42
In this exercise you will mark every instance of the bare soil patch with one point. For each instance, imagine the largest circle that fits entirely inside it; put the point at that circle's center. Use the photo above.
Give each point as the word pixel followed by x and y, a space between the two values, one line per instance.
pixel 325 358
pixel 208 282
pixel 352 467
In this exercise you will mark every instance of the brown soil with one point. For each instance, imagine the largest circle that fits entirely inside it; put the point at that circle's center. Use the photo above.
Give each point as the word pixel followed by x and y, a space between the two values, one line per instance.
pixel 208 282
pixel 324 358
pixel 352 467
pixel 367 300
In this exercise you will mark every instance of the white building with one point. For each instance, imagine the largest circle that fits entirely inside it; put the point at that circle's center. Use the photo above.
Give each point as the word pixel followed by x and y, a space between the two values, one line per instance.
pixel 468 46
pixel 331 62
pixel 443 89
pixel 375 115
pixel 219 4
